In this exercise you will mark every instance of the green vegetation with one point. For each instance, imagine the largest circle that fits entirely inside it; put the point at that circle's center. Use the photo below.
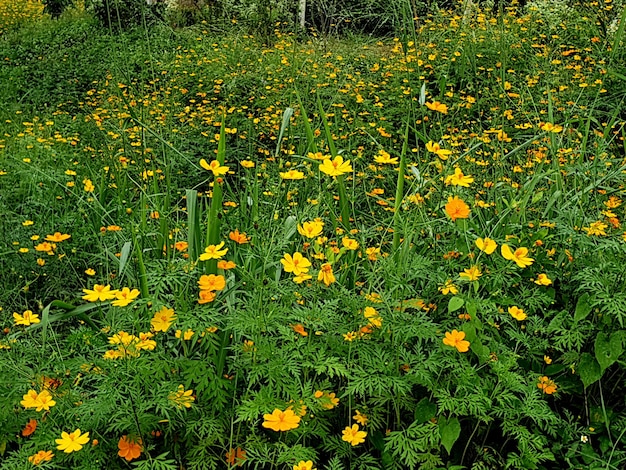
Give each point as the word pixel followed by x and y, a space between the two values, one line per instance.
pixel 249 247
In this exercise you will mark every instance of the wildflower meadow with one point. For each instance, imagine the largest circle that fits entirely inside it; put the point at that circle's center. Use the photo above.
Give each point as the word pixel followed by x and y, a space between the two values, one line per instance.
pixel 392 238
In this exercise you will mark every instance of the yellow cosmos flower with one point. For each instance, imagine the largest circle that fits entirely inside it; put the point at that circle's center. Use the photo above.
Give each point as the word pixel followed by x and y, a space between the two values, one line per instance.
pixel 352 435
pixel 281 420
pixel 213 252
pixel 471 274
pixel 302 465
pixel 384 158
pixel 292 175
pixel 459 179
pixel 349 243
pixel 596 228
pixel 360 418
pixel 100 293
pixel 58 237
pixel 543 280
pixel 181 397
pixel 163 319
pixel 72 442
pixel 519 256
pixel 296 264
pixel 212 282
pixel 311 229
pixel 214 167
pixel 457 208
pixel 449 288
pixel 437 106
pixel 546 385
pixel 456 339
pixel 517 313
pixel 41 456
pixel 124 297
pixel 326 274
pixel 335 167
pixel 27 318
pixel 372 317
pixel 486 244
pixel 434 147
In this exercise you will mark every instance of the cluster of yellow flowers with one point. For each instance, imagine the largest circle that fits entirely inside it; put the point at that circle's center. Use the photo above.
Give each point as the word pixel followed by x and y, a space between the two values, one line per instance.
pixel 102 293
pixel 129 345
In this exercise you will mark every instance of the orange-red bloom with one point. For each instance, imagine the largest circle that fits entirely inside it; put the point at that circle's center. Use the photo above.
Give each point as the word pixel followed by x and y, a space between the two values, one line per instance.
pixel 129 448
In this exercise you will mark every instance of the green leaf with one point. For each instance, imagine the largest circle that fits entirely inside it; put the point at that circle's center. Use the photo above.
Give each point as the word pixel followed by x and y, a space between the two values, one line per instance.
pixel 608 350
pixel 425 410
pixel 449 430
pixel 583 308
pixel 471 308
pixel 455 303
pixel 589 369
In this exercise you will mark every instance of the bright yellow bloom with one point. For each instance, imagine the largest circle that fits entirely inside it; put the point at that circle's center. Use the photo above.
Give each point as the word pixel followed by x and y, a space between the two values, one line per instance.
pixel 456 208
pixel 212 282
pixel 281 420
pixel 456 339
pixel 335 167
pixel 89 187
pixel 517 313
pixel 434 147
pixel 384 158
pixel 543 280
pixel 124 297
pixel 311 229
pixel 27 318
pixel 486 244
pixel 360 418
pixel 373 317
pixel 448 288
pixel 471 274
pixel 292 175
pixel 181 398
pixel 214 167
pixel 72 442
pixel 546 385
pixel 519 256
pixel 596 228
pixel 47 247
pixel 459 179
pixel 352 435
pixel 326 274
pixel 349 243
pixel 302 465
pixel 99 293
pixel 296 264
pixel 30 399
pixel 163 319
pixel 187 335
pixel 58 237
pixel 437 106
pixel 41 456
pixel 213 252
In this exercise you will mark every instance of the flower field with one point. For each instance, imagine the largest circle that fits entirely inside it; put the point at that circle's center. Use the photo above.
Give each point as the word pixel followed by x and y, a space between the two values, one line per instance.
pixel 308 252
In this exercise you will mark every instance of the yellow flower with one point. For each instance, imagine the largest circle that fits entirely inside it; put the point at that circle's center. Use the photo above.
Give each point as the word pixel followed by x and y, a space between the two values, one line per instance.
pixel 281 420
pixel 302 465
pixel 212 282
pixel 214 167
pixel 72 442
pixel 546 385
pixel 456 339
pixel 437 106
pixel 517 313
pixel 99 293
pixel 373 317
pixel 335 167
pixel 519 256
pixel 30 399
pixel 41 456
pixel 449 288
pixel 596 228
pixel 459 179
pixel 384 158
pixel 125 297
pixel 352 435
pixel 292 175
pixel 27 318
pixel 311 229
pixel 326 274
pixel 360 418
pixel 296 264
pixel 58 237
pixel 349 243
pixel 434 147
pixel 247 163
pixel 471 274
pixel 213 252
pixel 486 244
pixel 181 398
pixel 89 187
pixel 90 272
pixel 163 319
pixel 543 280
pixel 187 335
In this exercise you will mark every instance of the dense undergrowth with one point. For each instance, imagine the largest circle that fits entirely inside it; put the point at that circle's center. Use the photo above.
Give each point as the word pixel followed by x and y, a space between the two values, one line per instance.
pixel 364 253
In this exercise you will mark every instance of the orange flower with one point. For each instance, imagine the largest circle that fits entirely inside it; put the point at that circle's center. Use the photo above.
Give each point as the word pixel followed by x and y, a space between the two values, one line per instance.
pixel 456 339
pixel 237 237
pixel 437 106
pixel 58 237
pixel 212 282
pixel 236 457
pixel 281 420
pixel 546 385
pixel 299 328
pixel 457 209
pixel 130 448
pixel 29 428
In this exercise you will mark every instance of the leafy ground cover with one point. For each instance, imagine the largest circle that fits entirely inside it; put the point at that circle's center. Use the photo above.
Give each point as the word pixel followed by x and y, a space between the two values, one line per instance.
pixel 314 253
